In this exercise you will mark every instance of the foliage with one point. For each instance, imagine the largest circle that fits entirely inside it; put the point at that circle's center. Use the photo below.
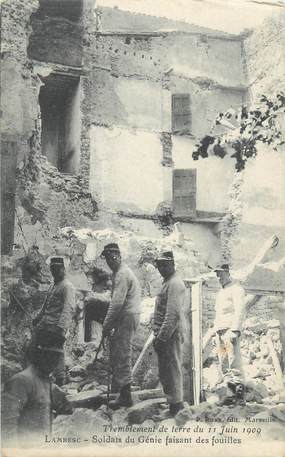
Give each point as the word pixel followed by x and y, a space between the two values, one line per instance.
pixel 164 214
pixel 243 130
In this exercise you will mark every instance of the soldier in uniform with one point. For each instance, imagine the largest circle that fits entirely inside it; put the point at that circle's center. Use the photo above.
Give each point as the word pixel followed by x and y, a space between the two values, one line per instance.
pixel 29 398
pixel 56 314
pixel 167 329
pixel 120 323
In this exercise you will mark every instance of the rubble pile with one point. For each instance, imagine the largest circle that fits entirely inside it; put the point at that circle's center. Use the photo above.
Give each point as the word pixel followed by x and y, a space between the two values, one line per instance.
pixel 84 247
pixel 258 363
pixel 49 203
pixel 139 253
pixel 152 412
pixel 259 372
pixel 21 297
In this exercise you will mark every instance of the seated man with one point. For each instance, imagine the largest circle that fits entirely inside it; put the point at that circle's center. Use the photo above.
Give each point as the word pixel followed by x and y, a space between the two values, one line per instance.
pixel 29 397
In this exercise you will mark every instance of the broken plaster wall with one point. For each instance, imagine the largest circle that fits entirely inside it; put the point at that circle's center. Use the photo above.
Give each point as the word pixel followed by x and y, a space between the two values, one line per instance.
pixel 55 39
pixel 263 191
pixel 265 62
pixel 19 109
pixel 264 56
pixel 214 175
pixel 115 175
pixel 19 86
pixel 44 199
pixel 125 70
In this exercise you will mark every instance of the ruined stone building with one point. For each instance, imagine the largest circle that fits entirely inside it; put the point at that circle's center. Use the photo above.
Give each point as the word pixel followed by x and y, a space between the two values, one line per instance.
pixel 101 111
pixel 116 102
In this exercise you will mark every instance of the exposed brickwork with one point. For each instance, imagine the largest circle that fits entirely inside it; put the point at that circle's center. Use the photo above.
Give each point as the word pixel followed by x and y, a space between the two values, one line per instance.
pixel 166 141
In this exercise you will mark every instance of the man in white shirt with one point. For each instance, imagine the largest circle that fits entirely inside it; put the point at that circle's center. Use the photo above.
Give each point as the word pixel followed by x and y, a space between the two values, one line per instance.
pixel 230 307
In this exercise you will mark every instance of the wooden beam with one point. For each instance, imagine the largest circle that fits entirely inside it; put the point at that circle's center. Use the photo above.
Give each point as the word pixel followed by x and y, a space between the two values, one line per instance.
pixel 196 311
pixel 276 364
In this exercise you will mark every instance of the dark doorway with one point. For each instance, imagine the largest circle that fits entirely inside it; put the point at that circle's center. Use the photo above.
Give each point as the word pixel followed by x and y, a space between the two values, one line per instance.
pixel 61 124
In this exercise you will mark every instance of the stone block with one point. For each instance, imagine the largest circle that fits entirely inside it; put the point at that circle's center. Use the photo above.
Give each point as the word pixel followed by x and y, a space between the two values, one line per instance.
pixel 77 370
pixel 71 425
pixel 140 412
pixel 279 412
pixel 89 399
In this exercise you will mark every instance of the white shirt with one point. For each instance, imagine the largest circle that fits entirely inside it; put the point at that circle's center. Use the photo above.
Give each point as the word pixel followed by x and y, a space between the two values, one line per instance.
pixel 230 307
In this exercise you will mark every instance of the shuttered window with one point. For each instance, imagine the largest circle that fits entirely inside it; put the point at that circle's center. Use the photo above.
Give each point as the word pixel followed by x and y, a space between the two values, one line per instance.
pixel 181 114
pixel 184 192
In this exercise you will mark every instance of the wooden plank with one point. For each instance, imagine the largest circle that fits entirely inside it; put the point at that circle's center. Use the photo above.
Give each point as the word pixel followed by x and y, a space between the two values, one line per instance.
pixel 187 360
pixel 207 344
pixel 276 364
pixel 196 308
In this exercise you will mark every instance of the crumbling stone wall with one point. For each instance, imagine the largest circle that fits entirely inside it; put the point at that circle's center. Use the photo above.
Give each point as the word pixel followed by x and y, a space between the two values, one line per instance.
pixel 24 281
pixel 264 56
pixel 122 71
pixel 146 57
pixel 45 199
pixel 262 194
pixel 55 39
pixel 52 202
pixel 19 86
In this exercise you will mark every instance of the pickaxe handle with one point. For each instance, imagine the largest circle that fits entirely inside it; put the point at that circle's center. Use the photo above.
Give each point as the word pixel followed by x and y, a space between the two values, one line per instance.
pixel 145 348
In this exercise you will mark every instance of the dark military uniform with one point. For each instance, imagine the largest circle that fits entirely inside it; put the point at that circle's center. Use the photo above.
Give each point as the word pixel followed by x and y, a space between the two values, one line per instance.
pixel 56 318
pixel 167 327
pixel 123 316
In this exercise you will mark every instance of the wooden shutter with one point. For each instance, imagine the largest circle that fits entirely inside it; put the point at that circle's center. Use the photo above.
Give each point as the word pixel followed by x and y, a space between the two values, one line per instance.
pixel 181 114
pixel 184 192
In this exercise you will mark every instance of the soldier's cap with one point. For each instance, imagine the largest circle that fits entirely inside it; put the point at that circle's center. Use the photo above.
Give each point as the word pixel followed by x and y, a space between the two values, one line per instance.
pixel 165 256
pixel 49 349
pixel 111 248
pixel 57 261
pixel 222 267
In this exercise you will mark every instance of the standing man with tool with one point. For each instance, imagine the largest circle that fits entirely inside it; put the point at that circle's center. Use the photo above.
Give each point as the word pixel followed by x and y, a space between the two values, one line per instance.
pixel 56 314
pixel 230 307
pixel 167 329
pixel 122 320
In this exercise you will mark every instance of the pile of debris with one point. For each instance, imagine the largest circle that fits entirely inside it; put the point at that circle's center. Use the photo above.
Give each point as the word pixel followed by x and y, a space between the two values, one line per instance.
pixel 150 410
pixel 261 352
pixel 139 253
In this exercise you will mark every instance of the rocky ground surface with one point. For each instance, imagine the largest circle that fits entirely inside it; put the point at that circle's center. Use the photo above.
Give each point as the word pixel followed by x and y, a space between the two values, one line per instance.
pixel 264 407
pixel 150 415
pixel 264 399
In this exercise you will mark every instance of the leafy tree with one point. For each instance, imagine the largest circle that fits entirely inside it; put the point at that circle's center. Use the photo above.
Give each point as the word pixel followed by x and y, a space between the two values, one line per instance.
pixel 238 134
pixel 243 130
